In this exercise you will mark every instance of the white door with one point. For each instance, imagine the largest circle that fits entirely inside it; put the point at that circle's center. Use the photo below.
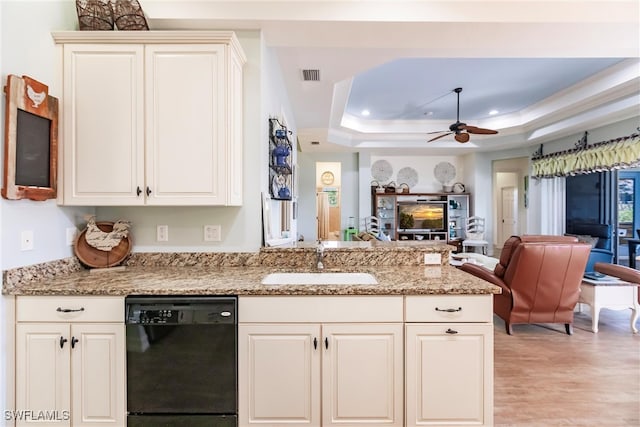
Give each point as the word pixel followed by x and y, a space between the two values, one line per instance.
pixel 362 375
pixel 42 374
pixel 449 371
pixel 279 375
pixel 103 125
pixel 509 210
pixel 186 126
pixel 98 374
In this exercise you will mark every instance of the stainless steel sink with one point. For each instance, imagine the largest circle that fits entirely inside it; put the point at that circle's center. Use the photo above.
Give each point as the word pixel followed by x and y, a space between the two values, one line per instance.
pixel 319 279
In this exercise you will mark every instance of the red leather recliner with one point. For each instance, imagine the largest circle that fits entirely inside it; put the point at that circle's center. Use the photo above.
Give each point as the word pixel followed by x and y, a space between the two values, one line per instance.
pixel 540 278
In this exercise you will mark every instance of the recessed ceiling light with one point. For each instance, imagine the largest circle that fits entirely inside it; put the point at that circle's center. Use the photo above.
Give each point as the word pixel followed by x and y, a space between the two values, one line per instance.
pixel 365 113
pixel 429 113
pixel 493 112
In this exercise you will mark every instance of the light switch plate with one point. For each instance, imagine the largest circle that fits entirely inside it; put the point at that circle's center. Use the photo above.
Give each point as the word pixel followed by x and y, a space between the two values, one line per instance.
pixel 26 240
pixel 162 233
pixel 212 233
pixel 71 235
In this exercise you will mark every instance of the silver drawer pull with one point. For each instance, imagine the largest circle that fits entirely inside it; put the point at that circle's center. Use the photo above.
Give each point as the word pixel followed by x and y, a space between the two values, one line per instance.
pixel 69 310
pixel 449 310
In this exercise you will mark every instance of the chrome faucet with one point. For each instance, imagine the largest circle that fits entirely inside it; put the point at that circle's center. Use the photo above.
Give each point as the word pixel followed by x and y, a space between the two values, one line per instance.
pixel 319 255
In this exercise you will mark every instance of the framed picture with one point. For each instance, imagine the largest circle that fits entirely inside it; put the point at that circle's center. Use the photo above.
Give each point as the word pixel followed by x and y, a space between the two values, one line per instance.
pixel 30 140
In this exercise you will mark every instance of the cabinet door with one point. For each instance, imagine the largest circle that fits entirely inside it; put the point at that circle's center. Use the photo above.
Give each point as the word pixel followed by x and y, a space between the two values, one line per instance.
pixel 279 375
pixel 103 131
pixel 42 374
pixel 98 374
pixel 186 124
pixel 362 377
pixel 449 372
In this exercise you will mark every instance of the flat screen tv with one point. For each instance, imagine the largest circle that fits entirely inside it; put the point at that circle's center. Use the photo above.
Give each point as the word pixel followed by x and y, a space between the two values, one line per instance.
pixel 421 216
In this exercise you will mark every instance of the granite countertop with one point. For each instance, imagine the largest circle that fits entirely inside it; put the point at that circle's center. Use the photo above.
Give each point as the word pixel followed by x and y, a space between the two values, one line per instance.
pixel 244 280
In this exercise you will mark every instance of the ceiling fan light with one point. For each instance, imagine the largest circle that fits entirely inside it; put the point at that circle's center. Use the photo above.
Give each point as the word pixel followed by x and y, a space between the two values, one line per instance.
pixel 462 137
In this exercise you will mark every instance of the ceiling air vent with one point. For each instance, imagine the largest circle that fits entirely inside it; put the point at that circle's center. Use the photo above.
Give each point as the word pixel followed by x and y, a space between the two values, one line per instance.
pixel 311 75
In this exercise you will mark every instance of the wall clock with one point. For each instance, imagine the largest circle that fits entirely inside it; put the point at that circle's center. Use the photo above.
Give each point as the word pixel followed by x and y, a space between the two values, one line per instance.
pixel 327 178
pixel 444 172
pixel 381 170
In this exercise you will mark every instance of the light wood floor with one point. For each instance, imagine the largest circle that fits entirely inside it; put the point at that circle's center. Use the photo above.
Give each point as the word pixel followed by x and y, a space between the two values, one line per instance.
pixel 546 378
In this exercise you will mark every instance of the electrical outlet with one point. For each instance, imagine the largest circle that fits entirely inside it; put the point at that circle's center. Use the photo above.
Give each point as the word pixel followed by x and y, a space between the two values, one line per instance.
pixel 212 233
pixel 433 259
pixel 71 235
pixel 162 233
pixel 26 240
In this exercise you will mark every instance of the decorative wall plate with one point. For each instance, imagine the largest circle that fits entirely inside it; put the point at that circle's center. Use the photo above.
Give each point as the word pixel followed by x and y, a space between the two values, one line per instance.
pixel 444 172
pixel 381 170
pixel 408 176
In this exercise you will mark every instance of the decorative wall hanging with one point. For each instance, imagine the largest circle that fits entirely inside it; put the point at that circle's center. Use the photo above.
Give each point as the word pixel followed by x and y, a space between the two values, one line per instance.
pixel 619 153
pixel 280 168
pixel 381 171
pixel 408 176
pixel 31 140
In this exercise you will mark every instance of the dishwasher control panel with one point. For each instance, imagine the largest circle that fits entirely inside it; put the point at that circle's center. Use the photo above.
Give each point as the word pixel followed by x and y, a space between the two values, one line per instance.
pixel 180 310
pixel 153 316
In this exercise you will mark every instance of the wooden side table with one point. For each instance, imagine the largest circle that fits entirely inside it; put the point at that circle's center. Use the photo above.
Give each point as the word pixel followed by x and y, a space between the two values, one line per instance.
pixel 609 293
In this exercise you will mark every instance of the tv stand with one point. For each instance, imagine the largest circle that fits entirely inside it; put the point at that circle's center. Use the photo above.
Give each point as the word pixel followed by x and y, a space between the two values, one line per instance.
pixel 385 207
pixel 421 235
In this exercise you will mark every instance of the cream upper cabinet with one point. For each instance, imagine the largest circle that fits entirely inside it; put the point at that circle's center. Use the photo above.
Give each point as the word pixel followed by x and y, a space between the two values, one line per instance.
pixel 70 361
pixel 152 118
pixel 103 124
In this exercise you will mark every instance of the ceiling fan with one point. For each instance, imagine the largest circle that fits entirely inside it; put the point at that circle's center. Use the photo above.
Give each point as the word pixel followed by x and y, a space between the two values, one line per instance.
pixel 458 127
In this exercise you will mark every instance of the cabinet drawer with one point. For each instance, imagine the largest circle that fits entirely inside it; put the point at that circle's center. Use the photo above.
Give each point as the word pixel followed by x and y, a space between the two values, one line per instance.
pixel 69 309
pixel 293 309
pixel 449 308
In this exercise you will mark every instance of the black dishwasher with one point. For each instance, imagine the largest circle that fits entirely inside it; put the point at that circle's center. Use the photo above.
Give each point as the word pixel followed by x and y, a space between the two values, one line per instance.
pixel 181 361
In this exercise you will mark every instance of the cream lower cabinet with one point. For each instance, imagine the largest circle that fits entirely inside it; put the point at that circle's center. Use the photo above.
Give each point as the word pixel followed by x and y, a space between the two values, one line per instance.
pixel 70 363
pixel 449 361
pixel 151 118
pixel 297 368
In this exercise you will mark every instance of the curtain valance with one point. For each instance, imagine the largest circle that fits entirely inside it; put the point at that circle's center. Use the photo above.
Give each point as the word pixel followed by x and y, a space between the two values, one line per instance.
pixel 618 153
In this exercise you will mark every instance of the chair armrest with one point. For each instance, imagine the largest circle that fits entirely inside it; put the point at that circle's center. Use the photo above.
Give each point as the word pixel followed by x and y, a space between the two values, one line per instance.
pixel 620 271
pixel 484 274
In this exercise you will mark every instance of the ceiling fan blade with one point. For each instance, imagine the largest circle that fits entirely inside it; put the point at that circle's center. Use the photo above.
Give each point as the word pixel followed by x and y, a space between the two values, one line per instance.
pixel 441 136
pixel 438 131
pixel 462 137
pixel 477 130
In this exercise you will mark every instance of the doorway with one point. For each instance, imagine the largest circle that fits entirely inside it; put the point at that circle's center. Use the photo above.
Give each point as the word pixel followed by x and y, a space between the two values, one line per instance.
pixel 328 192
pixel 507 207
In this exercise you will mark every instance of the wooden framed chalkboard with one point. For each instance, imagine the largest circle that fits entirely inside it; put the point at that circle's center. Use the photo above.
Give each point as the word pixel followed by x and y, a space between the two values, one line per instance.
pixel 30 140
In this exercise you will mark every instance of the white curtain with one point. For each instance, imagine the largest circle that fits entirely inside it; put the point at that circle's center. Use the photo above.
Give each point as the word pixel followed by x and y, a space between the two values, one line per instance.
pixel 552 205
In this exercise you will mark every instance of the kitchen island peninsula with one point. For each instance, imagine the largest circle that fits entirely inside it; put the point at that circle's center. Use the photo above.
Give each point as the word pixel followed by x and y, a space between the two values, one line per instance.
pixel 414 348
